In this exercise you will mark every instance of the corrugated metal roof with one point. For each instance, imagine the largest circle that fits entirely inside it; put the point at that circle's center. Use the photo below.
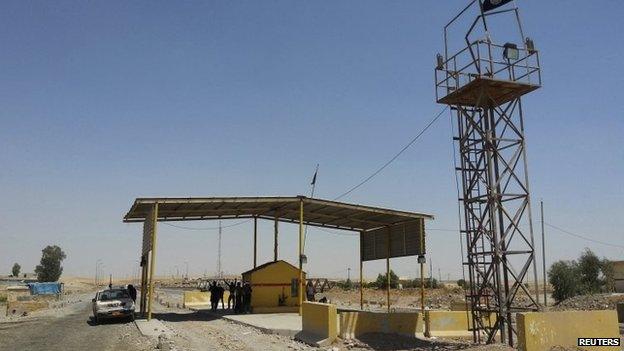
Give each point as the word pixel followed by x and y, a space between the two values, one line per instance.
pixel 317 212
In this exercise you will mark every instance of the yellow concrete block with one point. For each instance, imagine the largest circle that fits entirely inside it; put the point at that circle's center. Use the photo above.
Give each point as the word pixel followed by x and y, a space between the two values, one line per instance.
pixel 354 324
pixel 195 298
pixel 275 309
pixel 459 306
pixel 451 323
pixel 620 312
pixel 320 324
pixel 538 331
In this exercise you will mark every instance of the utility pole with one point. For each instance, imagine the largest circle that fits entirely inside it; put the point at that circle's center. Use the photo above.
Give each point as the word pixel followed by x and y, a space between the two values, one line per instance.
pixel 430 272
pixel 543 251
pixel 219 273
pixel 186 263
pixel 98 264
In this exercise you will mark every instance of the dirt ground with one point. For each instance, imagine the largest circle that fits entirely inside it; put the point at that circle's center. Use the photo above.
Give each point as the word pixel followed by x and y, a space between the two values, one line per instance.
pixel 202 331
pixel 68 325
pixel 195 330
pixel 70 328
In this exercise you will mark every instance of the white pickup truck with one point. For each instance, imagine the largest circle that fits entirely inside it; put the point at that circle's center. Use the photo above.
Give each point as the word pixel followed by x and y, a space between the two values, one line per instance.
pixel 112 303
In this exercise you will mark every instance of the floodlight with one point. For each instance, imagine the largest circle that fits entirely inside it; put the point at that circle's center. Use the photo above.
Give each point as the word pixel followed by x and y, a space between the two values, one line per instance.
pixel 304 259
pixel 511 51
pixel 440 62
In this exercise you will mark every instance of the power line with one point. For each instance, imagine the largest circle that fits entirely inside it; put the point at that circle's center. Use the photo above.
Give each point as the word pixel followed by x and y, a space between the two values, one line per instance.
pixel 581 236
pixel 394 157
pixel 207 228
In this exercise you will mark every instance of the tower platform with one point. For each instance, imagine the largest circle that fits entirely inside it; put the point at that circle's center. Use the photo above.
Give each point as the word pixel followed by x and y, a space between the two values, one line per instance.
pixel 484 92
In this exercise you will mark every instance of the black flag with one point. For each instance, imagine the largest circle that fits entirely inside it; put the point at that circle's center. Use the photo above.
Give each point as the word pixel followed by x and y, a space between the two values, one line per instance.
pixel 314 178
pixel 488 5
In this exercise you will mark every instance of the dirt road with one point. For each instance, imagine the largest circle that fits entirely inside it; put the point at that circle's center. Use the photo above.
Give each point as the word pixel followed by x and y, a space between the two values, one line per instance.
pixel 72 330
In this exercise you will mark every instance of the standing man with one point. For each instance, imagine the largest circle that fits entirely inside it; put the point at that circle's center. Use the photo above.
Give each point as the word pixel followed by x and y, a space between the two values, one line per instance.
pixel 247 298
pixel 221 292
pixel 310 291
pixel 232 287
pixel 238 299
pixel 132 292
pixel 214 296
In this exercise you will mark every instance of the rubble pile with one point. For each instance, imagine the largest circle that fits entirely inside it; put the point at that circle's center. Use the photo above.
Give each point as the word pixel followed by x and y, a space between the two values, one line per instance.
pixel 590 302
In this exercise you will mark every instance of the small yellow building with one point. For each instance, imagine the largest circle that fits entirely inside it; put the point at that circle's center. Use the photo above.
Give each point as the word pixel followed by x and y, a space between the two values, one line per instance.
pixel 274 287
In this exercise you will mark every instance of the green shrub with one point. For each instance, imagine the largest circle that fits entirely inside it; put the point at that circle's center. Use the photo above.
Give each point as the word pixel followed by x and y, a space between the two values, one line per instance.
pixel 345 284
pixel 588 275
pixel 432 283
pixel 563 276
pixel 382 281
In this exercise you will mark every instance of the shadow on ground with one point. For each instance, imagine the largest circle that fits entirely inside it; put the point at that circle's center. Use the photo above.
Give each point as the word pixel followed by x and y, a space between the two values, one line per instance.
pixel 185 317
pixel 379 341
pixel 91 321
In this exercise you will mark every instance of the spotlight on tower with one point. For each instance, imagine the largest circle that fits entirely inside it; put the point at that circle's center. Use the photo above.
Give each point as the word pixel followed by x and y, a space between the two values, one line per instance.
pixel 530 46
pixel 511 52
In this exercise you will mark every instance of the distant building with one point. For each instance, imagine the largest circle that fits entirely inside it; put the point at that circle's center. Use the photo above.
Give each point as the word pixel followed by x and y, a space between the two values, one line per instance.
pixel 274 287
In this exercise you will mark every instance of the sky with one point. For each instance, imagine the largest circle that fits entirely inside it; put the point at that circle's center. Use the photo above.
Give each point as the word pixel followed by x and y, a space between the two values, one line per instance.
pixel 105 101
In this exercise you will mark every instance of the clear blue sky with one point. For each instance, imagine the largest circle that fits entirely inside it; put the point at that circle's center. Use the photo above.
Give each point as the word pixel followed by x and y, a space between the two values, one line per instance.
pixel 102 102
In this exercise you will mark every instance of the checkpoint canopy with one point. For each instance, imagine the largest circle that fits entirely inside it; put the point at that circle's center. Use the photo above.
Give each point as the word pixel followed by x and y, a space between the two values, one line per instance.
pixel 318 212
pixel 384 233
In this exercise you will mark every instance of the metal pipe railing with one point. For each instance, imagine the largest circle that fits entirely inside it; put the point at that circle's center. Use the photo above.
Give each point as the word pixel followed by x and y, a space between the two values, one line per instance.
pixel 525 69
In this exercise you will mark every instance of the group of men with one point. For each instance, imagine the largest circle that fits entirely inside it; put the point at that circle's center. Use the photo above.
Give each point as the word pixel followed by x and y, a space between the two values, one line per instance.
pixel 240 295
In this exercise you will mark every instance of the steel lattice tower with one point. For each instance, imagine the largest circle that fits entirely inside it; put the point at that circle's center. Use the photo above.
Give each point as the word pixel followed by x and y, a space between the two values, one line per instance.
pixel 483 84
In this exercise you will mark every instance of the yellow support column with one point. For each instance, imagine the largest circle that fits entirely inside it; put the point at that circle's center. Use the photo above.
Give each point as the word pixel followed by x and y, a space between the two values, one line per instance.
pixel 388 270
pixel 300 255
pixel 143 286
pixel 361 275
pixel 275 238
pixel 422 267
pixel 255 242
pixel 152 266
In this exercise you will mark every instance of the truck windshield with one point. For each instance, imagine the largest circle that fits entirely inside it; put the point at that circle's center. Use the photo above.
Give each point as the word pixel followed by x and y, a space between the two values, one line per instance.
pixel 113 295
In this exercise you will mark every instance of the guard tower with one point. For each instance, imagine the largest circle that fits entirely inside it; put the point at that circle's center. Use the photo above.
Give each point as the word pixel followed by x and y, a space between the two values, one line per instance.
pixel 483 84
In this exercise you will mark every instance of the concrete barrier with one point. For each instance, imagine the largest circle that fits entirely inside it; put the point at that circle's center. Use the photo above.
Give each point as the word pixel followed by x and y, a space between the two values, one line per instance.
pixel 22 308
pixel 539 331
pixel 275 309
pixel 450 323
pixel 195 298
pixel 459 306
pixel 356 323
pixel 17 292
pixel 320 324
